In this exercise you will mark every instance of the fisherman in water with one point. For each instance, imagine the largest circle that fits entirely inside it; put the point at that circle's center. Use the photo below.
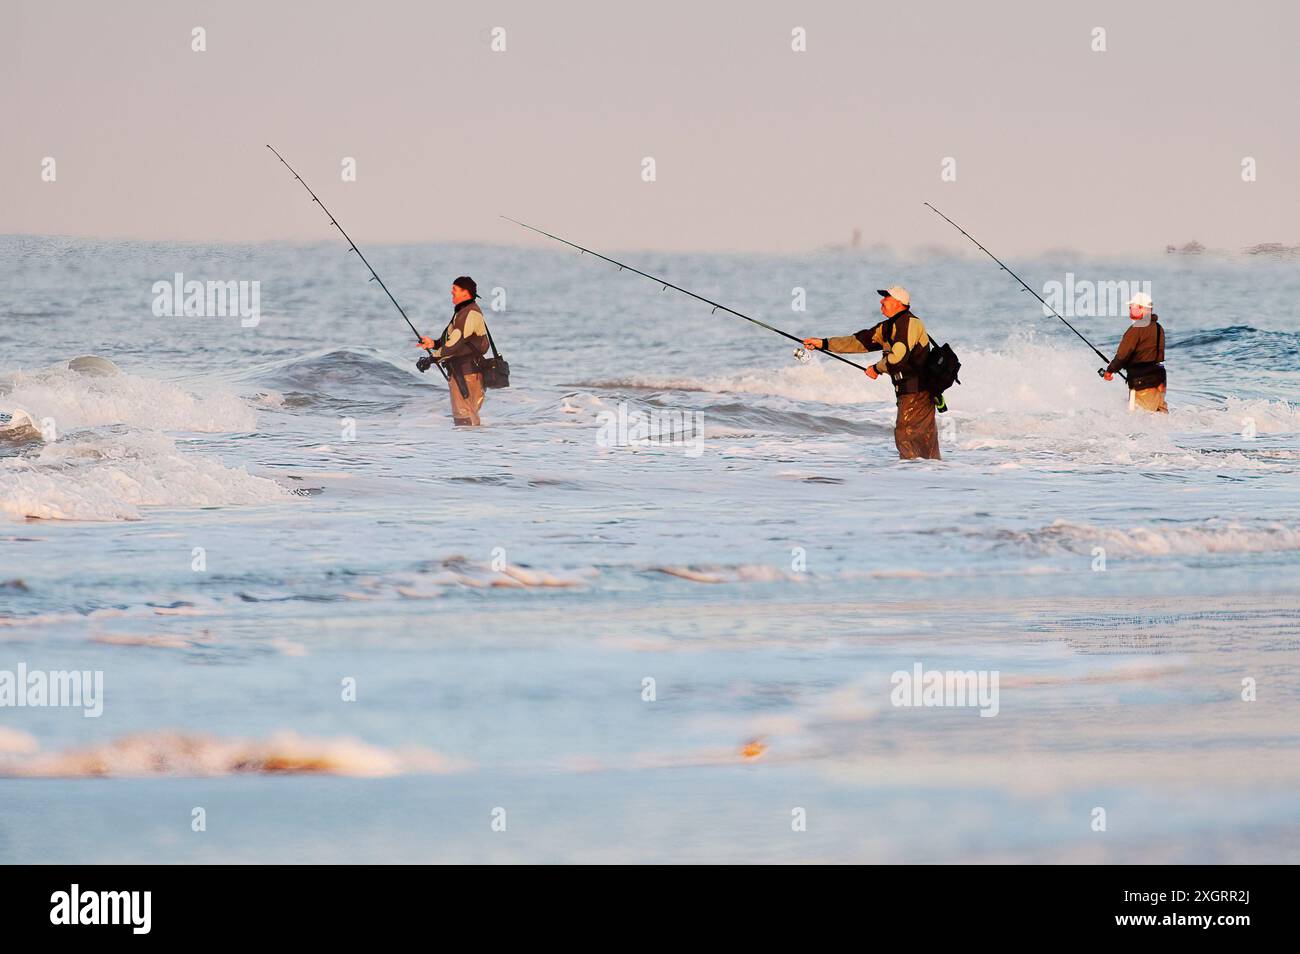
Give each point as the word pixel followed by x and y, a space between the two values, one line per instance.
pixel 460 349
pixel 903 339
pixel 1142 353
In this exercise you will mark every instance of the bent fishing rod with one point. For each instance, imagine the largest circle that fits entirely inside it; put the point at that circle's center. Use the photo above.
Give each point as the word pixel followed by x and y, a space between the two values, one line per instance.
pixel 1100 371
pixel 374 275
pixel 716 306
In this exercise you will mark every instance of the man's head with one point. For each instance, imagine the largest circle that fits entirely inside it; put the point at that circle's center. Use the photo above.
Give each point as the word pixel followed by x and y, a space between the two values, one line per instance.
pixel 1139 307
pixel 893 300
pixel 463 289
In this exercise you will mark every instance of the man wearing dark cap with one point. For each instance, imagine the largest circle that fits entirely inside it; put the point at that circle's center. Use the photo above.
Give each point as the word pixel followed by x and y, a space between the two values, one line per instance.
pixel 905 342
pixel 460 349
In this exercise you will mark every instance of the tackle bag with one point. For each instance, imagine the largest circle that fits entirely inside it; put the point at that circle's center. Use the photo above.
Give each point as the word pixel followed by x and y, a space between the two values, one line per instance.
pixel 496 370
pixel 1143 376
pixel 940 370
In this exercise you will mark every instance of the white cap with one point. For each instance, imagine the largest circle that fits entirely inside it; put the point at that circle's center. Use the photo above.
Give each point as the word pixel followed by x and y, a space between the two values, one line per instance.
pixel 896 292
pixel 1142 300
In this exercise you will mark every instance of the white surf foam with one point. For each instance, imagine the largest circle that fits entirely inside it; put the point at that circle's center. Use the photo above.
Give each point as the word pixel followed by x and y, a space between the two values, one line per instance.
pixel 1210 536
pixel 107 455
pixel 1038 400
pixel 822 380
pixel 111 476
pixel 75 401
pixel 176 753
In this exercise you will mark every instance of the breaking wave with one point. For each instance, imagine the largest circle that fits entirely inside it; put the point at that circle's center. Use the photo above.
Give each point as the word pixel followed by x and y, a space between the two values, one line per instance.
pixel 112 476
pixel 196 755
pixel 741 573
pixel 1242 342
pixel 95 447
pixel 338 378
pixel 74 401
pixel 1210 536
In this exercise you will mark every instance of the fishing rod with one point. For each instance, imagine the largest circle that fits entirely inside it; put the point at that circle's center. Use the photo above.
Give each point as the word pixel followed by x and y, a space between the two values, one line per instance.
pixel 374 275
pixel 1100 371
pixel 666 284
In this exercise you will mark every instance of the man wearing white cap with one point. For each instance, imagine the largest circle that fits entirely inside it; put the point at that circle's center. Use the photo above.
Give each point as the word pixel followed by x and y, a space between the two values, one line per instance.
pixel 903 339
pixel 1141 354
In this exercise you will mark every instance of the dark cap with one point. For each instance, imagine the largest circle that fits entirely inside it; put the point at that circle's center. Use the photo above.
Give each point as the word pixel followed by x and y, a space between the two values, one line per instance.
pixel 468 284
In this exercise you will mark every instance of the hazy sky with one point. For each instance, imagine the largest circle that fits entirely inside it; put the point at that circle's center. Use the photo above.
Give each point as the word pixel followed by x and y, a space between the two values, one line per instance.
pixel 757 147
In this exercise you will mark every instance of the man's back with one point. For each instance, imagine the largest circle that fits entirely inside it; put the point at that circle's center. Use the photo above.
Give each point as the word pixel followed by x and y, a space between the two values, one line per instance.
pixel 1141 345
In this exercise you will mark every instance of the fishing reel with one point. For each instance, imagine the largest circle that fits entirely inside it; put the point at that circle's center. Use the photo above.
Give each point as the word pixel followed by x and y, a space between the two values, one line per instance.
pixel 425 363
pixel 801 355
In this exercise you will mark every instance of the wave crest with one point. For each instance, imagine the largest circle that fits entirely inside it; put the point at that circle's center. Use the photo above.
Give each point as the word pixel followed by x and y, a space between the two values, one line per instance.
pixel 185 754
pixel 75 401
pixel 1210 536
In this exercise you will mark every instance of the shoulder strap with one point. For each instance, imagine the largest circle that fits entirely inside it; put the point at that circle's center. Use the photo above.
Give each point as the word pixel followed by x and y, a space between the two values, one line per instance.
pixel 491 344
pixel 442 338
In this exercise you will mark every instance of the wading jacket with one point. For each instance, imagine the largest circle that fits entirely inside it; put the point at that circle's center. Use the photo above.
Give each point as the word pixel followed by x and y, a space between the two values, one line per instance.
pixel 464 341
pixel 1141 351
pixel 905 342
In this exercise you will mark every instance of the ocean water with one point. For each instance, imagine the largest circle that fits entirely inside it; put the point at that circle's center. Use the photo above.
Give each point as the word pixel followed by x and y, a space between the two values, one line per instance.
pixel 656 652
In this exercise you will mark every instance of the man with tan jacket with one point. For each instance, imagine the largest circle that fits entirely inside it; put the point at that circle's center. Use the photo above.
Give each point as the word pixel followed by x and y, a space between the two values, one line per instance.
pixel 460 350
pixel 1142 353
pixel 905 342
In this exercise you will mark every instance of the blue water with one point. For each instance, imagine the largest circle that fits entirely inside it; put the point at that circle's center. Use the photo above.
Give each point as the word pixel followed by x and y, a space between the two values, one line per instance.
pixel 500 596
